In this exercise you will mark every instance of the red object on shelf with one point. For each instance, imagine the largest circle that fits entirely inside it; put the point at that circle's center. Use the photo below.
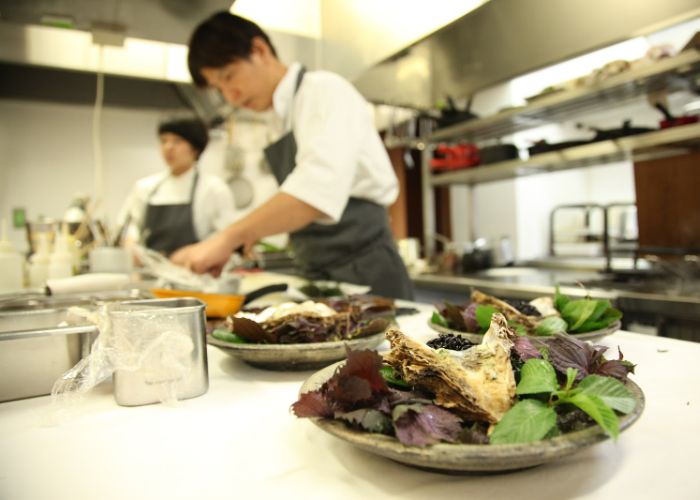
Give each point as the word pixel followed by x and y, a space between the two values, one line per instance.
pixel 678 120
pixel 454 157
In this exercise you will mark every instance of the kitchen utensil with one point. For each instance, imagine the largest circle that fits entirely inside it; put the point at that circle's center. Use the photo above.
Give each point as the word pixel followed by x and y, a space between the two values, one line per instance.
pixel 84 283
pixel 110 260
pixel 43 229
pixel 35 351
pixel 496 153
pixel 220 305
pixel 476 259
pixel 164 341
pixel 673 121
pixel 615 133
pixel 545 147
pixel 451 114
pixel 446 157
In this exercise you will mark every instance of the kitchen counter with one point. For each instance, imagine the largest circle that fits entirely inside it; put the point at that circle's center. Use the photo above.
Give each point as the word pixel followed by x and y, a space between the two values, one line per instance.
pixel 239 440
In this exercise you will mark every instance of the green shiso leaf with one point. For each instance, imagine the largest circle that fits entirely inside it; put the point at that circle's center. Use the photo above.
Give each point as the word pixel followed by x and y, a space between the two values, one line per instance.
pixel 611 391
pixel 537 376
pixel 437 319
pixel 560 300
pixel 551 325
pixel 528 420
pixel 598 411
pixel 483 316
pixel 392 378
pixel 577 312
pixel 227 336
pixel 570 378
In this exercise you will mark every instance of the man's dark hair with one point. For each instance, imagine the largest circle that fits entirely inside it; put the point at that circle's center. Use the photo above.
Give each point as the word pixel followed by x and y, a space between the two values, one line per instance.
pixel 192 130
pixel 219 40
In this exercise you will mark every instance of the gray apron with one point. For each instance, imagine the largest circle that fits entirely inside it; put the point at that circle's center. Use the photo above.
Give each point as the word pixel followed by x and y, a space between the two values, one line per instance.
pixel 358 249
pixel 169 227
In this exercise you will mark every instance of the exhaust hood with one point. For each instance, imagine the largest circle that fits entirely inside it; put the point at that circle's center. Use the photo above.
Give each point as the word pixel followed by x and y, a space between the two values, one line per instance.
pixel 506 38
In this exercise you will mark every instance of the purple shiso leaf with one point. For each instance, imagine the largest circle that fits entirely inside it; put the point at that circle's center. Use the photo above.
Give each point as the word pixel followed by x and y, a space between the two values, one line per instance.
pixel 469 316
pixel 421 425
pixel 525 348
pixel 312 404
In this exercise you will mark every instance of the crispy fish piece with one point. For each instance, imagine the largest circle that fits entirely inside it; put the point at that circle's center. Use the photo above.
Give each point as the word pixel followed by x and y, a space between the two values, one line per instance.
pixel 510 312
pixel 481 387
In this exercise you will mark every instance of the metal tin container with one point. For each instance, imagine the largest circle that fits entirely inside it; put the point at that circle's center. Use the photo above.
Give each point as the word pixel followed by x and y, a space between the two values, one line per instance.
pixel 35 352
pixel 146 320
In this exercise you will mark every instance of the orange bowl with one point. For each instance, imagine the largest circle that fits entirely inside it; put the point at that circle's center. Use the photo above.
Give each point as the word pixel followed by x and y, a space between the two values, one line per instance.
pixel 219 305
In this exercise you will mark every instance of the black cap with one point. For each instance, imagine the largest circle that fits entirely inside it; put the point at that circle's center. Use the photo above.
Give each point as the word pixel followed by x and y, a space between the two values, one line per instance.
pixel 193 131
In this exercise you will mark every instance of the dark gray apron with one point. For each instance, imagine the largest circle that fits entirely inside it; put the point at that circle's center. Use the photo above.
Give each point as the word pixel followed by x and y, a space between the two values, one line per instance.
pixel 169 227
pixel 358 249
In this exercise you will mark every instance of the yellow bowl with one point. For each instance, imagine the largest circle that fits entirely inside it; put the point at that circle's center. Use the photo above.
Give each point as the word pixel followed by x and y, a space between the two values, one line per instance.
pixel 219 305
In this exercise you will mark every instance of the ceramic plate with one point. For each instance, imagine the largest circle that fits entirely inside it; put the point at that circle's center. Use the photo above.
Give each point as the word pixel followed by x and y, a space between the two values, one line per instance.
pixel 466 458
pixel 295 356
pixel 476 337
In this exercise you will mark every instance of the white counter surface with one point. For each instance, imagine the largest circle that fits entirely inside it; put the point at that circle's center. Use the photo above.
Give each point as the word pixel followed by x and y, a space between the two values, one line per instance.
pixel 240 441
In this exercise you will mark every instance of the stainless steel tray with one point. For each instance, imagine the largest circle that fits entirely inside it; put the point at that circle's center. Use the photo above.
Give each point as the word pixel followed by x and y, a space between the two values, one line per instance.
pixel 35 351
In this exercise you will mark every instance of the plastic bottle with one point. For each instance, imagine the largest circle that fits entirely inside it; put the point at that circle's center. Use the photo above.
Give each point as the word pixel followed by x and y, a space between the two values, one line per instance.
pixel 11 264
pixel 39 262
pixel 61 260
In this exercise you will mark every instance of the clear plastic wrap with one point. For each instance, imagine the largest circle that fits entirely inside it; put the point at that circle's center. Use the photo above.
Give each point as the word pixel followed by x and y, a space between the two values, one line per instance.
pixel 154 349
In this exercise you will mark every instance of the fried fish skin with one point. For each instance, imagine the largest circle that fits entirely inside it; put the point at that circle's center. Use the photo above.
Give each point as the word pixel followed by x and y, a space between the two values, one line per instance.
pixel 479 387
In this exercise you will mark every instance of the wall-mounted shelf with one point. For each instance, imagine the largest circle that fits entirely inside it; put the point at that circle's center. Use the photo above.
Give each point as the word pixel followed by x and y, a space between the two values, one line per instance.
pixel 658 144
pixel 672 74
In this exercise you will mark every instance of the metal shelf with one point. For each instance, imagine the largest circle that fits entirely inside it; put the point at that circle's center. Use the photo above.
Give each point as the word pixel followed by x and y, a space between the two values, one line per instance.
pixel 672 74
pixel 658 144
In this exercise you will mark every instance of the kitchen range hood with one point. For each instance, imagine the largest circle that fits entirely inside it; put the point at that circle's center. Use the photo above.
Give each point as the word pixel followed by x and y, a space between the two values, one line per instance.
pixel 52 49
pixel 505 38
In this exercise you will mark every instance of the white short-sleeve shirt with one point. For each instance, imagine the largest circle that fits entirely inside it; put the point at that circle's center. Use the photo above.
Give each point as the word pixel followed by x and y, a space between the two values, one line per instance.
pixel 212 209
pixel 339 152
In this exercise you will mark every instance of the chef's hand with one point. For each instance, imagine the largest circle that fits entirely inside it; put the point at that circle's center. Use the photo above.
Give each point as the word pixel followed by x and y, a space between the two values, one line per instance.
pixel 208 256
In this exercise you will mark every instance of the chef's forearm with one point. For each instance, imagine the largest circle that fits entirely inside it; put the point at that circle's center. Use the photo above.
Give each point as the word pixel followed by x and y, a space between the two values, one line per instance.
pixel 282 213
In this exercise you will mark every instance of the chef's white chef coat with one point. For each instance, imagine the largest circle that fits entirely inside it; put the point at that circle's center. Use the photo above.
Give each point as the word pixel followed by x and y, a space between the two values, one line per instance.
pixel 212 207
pixel 339 152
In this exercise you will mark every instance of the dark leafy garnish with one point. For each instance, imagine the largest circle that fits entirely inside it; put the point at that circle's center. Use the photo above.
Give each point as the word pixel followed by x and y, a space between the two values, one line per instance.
pixel 421 425
pixel 565 351
pixel 358 393
pixel 357 316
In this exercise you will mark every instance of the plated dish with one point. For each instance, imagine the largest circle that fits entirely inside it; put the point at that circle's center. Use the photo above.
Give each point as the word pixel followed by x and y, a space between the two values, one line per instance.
pixel 476 337
pixel 510 402
pixel 544 316
pixel 457 458
pixel 295 356
pixel 305 335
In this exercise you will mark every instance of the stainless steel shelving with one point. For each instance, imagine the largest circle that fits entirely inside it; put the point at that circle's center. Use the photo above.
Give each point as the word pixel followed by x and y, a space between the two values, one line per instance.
pixel 671 74
pixel 658 144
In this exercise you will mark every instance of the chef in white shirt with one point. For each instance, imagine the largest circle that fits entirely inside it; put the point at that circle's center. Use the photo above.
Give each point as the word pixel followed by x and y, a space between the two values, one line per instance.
pixel 335 176
pixel 181 206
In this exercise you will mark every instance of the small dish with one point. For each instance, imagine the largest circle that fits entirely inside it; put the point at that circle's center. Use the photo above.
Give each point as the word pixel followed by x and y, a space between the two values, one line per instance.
pixel 469 458
pixel 295 356
pixel 219 305
pixel 476 337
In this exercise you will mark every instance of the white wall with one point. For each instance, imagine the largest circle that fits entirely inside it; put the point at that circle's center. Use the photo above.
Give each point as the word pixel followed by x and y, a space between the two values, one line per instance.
pixel 46 156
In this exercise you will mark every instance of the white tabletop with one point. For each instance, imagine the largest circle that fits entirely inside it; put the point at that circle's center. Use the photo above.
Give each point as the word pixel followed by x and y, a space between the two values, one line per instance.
pixel 240 441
